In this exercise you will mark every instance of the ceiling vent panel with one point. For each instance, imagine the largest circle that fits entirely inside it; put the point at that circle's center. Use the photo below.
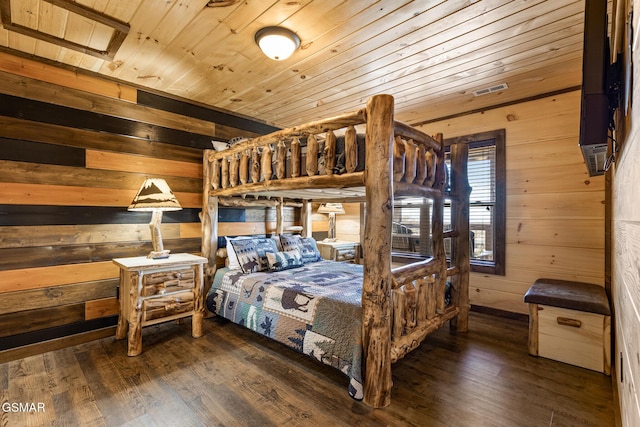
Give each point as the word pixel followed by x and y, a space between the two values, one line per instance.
pixel 487 90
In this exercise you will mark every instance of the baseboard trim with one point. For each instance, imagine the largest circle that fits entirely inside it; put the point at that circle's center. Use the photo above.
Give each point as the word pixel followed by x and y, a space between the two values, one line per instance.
pixel 500 313
pixel 55 344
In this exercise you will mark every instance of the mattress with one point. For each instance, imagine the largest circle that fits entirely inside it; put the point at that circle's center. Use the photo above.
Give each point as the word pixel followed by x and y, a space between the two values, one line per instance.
pixel 314 309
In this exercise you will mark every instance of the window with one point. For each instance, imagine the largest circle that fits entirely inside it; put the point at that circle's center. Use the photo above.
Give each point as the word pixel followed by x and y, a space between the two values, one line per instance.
pixel 487 218
pixel 486 168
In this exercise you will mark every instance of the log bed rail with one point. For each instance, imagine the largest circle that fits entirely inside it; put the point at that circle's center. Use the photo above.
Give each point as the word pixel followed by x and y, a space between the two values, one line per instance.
pixel 400 306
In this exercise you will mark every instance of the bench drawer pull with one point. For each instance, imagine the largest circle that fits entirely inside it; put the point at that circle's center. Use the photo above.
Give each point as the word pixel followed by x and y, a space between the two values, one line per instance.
pixel 566 321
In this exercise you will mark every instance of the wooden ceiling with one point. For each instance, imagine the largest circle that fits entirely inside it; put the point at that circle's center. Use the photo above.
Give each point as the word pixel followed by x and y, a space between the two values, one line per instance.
pixel 430 54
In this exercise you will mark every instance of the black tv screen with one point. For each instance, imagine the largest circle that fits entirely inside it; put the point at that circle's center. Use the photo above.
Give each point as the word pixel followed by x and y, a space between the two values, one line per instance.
pixel 594 109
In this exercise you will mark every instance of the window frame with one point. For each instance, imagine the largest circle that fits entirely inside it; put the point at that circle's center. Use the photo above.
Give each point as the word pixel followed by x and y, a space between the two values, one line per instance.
pixel 484 139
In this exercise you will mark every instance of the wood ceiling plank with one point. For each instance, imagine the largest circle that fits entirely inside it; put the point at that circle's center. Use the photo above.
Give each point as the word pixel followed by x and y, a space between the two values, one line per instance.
pixel 552 79
pixel 192 44
pixel 143 22
pixel 123 10
pixel 143 63
pixel 25 13
pixel 223 32
pixel 442 42
pixel 478 76
pixel 79 29
pixel 369 46
pixel 236 34
pixel 344 22
pixel 22 43
pixel 475 74
pixel 424 53
pixel 52 20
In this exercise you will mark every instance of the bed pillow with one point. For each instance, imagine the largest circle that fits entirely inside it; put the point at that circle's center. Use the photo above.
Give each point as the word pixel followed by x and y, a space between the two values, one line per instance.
pixel 279 261
pixel 289 242
pixel 309 250
pixel 306 245
pixel 232 257
pixel 252 253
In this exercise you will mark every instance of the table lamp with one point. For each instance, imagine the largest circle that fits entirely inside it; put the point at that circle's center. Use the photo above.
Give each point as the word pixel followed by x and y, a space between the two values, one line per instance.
pixel 332 209
pixel 155 196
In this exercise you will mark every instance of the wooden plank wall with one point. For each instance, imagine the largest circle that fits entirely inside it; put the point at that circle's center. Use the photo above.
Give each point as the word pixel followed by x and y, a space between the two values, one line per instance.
pixel 74 149
pixel 348 224
pixel 555 211
pixel 625 256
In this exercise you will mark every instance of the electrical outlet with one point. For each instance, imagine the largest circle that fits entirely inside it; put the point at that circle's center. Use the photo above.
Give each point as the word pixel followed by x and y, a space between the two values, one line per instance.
pixel 621 369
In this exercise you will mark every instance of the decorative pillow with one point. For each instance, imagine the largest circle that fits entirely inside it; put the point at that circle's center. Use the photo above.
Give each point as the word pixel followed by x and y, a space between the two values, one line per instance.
pixel 252 253
pixel 306 245
pixel 309 250
pixel 234 264
pixel 279 261
pixel 289 241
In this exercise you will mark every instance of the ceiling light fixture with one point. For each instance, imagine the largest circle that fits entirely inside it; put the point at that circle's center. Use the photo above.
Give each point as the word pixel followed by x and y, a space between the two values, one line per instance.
pixel 277 43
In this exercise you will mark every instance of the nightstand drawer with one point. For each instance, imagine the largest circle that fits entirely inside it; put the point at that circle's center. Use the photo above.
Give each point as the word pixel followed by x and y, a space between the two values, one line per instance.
pixel 345 254
pixel 168 282
pixel 156 308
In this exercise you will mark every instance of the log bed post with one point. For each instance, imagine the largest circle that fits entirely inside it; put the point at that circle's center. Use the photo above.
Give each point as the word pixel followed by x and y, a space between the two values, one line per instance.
pixel 437 179
pixel 209 220
pixel 307 230
pixel 280 216
pixel 376 286
pixel 460 221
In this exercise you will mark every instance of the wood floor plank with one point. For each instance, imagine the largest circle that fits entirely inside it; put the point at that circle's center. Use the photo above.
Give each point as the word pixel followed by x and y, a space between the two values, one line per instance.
pixel 117 403
pixel 232 376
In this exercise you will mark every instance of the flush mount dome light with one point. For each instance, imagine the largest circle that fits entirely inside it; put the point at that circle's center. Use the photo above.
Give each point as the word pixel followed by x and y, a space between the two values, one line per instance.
pixel 277 43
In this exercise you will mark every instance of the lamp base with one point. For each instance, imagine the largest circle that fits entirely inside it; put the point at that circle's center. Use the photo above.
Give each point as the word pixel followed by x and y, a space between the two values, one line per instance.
pixel 159 254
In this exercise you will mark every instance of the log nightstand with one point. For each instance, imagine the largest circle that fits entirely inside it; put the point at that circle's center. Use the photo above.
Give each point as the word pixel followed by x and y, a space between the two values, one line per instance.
pixel 157 290
pixel 339 250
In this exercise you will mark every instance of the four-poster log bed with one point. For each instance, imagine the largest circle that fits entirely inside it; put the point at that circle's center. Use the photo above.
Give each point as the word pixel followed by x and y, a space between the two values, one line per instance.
pixel 399 306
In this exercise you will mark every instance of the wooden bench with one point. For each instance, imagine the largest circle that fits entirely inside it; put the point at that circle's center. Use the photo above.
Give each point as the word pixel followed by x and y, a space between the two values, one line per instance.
pixel 570 322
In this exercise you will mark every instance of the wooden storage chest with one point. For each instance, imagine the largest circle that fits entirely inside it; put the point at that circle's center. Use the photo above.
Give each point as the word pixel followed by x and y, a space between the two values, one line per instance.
pixel 570 322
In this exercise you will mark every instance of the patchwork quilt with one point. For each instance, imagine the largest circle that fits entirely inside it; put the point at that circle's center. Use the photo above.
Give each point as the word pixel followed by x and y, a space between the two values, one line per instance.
pixel 314 309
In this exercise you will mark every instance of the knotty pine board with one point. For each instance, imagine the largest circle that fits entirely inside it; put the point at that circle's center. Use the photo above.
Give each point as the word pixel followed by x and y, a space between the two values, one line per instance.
pixel 57 295
pixel 43 256
pixel 27 171
pixel 21 129
pixel 555 220
pixel 101 308
pixel 131 163
pixel 24 67
pixel 585 233
pixel 32 320
pixel 41 91
pixel 63 218
pixel 48 235
pixel 67 195
pixel 43 277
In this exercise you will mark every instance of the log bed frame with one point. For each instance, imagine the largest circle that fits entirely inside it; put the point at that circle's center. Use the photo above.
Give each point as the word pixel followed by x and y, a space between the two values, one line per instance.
pixel 400 306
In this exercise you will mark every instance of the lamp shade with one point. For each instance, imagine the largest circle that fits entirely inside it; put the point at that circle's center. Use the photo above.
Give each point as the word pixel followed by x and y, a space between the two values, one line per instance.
pixel 155 195
pixel 335 208
pixel 277 43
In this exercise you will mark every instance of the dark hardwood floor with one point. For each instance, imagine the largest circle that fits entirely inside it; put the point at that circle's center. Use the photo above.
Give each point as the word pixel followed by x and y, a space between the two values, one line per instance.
pixel 233 377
